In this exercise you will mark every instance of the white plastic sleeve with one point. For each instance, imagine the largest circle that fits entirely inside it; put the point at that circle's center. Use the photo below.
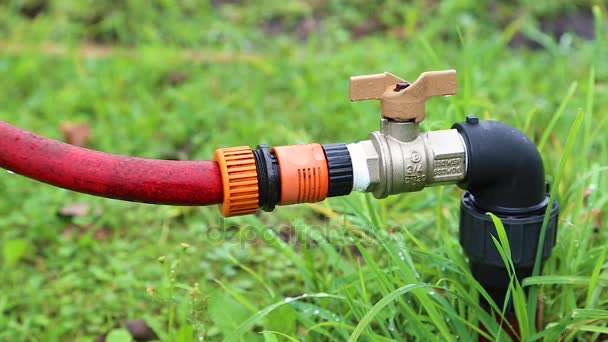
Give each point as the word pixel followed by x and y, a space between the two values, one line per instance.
pixel 361 178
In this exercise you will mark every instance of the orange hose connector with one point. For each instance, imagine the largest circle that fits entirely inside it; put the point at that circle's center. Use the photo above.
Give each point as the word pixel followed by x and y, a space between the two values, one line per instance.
pixel 304 173
pixel 239 180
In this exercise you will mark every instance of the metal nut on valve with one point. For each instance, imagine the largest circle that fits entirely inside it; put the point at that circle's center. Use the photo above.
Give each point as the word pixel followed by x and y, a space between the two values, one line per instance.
pixel 448 153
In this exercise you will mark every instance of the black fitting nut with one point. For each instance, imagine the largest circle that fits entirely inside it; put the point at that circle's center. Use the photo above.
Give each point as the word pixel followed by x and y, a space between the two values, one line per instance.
pixel 269 177
pixel 523 232
pixel 340 168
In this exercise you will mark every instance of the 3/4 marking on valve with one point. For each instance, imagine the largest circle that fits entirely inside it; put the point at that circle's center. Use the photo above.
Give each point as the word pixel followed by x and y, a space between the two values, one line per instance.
pixel 410 169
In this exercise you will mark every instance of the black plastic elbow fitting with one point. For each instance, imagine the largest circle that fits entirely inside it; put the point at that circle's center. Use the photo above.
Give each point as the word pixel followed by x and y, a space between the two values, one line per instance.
pixel 505 172
pixel 505 176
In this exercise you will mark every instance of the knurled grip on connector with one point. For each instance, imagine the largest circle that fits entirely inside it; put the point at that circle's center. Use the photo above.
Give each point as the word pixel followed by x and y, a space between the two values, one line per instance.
pixel 340 168
pixel 239 180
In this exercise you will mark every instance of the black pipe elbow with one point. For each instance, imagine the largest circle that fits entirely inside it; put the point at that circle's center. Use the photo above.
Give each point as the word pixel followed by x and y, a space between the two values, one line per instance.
pixel 505 176
pixel 505 173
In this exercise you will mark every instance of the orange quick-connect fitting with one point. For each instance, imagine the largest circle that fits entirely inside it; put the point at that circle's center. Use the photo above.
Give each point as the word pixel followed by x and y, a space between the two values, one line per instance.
pixel 304 173
pixel 239 180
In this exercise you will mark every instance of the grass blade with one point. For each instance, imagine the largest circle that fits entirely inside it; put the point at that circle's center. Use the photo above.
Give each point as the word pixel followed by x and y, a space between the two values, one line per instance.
pixel 556 116
pixel 516 291
pixel 533 292
pixel 251 321
pixel 364 322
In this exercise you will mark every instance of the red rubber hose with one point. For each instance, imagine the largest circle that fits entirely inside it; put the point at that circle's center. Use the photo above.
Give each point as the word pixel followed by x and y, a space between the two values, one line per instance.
pixel 109 175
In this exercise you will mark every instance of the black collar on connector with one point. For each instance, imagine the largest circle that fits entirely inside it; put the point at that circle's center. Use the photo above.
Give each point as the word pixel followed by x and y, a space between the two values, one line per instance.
pixel 269 177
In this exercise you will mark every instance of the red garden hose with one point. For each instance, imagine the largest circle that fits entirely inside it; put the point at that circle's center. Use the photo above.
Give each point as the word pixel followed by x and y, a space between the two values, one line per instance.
pixel 109 175
pixel 240 179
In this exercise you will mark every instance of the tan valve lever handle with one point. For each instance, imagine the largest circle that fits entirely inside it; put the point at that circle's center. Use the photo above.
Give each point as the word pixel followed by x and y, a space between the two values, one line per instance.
pixel 400 99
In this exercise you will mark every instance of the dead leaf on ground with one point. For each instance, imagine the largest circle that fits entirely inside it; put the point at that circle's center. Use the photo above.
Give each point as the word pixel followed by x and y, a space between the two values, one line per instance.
pixel 176 77
pixel 355 251
pixel 597 218
pixel 586 194
pixel 75 133
pixel 139 329
pixel 287 233
pixel 79 210
pixel 74 210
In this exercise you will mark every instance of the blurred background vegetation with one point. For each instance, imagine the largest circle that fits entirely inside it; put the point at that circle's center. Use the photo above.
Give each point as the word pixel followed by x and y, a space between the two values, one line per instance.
pixel 176 80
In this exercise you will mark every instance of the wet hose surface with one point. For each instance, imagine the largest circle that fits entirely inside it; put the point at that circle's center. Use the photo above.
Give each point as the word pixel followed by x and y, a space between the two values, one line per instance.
pixel 109 175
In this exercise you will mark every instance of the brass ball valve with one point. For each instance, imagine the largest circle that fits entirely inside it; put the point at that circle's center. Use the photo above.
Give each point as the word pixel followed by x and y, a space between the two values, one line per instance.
pixel 399 158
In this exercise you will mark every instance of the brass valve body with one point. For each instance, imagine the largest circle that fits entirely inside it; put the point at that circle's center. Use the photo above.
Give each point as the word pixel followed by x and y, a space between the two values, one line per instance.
pixel 406 160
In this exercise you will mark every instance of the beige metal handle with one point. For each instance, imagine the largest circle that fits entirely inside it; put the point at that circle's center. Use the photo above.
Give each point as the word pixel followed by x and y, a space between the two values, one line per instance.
pixel 399 98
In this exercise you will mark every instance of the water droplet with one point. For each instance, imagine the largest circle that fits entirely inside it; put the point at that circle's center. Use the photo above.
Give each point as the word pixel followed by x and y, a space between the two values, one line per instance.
pixel 447 319
pixel 443 268
pixel 288 300
pixel 316 312
pixel 391 328
pixel 432 293
pixel 401 256
pixel 457 337
pixel 11 172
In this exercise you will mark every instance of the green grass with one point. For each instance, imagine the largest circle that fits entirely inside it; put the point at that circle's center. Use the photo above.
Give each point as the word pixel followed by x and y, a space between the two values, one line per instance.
pixel 180 81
